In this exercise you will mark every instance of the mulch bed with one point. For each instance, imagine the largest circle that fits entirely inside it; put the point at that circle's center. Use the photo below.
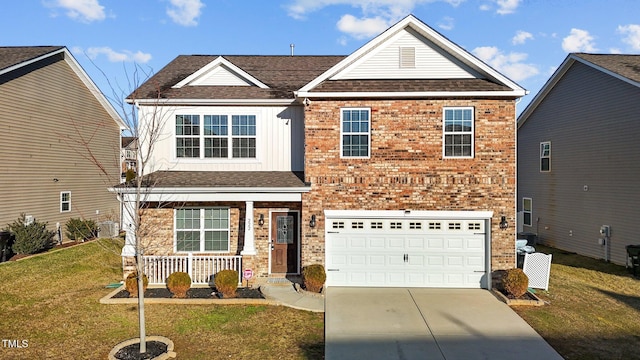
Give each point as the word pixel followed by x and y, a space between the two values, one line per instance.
pixel 193 293
pixel 132 352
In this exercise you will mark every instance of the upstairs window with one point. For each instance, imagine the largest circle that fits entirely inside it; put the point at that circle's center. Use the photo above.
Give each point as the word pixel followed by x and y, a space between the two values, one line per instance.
pixel 65 201
pixel 356 133
pixel 545 156
pixel 458 132
pixel 527 209
pixel 220 136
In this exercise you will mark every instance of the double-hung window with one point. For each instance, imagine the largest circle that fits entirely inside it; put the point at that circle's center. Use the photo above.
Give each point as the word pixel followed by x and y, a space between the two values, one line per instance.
pixel 202 230
pixel 527 211
pixel 65 201
pixel 356 133
pixel 458 132
pixel 545 156
pixel 217 136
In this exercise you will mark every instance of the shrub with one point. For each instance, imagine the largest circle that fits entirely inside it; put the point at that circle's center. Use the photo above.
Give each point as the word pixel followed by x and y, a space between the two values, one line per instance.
pixel 226 282
pixel 313 277
pixel 80 230
pixel 131 284
pixel 179 283
pixel 30 238
pixel 515 282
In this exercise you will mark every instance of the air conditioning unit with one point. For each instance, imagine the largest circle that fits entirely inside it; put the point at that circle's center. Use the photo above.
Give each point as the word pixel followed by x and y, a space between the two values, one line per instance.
pixel 108 229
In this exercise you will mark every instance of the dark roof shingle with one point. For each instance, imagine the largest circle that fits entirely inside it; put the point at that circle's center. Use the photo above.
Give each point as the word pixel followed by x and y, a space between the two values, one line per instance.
pixel 409 85
pixel 225 179
pixel 13 55
pixel 624 65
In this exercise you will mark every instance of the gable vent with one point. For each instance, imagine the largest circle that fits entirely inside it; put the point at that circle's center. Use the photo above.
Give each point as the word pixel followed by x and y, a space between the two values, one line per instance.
pixel 407 58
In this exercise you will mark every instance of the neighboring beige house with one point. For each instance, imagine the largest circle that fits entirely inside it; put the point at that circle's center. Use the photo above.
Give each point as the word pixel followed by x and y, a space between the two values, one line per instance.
pixel 392 166
pixel 54 120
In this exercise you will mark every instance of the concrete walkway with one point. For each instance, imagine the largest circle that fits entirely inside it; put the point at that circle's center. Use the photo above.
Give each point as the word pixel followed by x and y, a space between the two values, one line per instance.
pixel 398 323
pixel 287 295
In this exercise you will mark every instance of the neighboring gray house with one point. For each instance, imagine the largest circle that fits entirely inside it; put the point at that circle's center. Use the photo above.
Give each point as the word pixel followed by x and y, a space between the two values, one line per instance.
pixel 579 157
pixel 56 124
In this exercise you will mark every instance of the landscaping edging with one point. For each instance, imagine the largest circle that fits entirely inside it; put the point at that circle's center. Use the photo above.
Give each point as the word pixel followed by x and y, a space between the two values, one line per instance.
pixel 108 299
pixel 518 302
pixel 170 354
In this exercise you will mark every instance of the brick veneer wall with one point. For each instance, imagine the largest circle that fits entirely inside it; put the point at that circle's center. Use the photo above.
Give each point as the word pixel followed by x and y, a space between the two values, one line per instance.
pixel 406 169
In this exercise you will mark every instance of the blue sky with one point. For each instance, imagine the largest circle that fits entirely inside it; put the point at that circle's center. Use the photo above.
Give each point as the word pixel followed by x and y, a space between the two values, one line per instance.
pixel 524 39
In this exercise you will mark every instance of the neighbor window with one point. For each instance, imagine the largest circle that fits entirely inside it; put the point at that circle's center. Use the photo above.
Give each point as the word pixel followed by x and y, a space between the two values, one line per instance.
pixel 202 230
pixel 356 132
pixel 65 201
pixel 545 156
pixel 526 211
pixel 458 132
pixel 212 135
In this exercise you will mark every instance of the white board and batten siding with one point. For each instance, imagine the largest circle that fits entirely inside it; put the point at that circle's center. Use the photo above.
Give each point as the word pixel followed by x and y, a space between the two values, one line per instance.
pixel 279 139
pixel 420 249
pixel 430 62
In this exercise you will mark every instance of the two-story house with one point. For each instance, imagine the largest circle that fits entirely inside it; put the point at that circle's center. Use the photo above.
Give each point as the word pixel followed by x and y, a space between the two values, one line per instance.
pixel 392 166
pixel 60 140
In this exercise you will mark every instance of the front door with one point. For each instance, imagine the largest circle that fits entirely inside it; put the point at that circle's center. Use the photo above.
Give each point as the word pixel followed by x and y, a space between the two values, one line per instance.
pixel 284 242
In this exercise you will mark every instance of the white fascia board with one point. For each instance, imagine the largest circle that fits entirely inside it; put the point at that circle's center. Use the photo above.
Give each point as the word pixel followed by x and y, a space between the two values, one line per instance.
pixel 230 102
pixel 217 62
pixel 514 93
pixel 429 34
pixel 408 214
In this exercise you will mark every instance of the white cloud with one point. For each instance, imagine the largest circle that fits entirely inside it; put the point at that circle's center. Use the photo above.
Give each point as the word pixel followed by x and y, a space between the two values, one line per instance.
pixel 185 12
pixel 512 65
pixel 447 23
pixel 632 33
pixel 114 56
pixel 82 10
pixel 615 51
pixel 507 6
pixel 578 41
pixel 521 37
pixel 362 28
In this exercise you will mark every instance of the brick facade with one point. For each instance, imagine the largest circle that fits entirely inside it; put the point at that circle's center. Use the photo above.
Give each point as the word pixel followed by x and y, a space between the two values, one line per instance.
pixel 406 169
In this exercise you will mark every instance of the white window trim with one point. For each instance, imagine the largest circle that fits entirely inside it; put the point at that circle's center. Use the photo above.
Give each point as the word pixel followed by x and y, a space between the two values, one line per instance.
pixel 525 211
pixel 545 157
pixel 472 132
pixel 202 231
pixel 202 136
pixel 62 202
pixel 355 133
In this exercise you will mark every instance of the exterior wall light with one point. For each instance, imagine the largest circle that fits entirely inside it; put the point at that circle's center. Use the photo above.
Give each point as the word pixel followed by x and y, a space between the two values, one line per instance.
pixel 503 223
pixel 261 220
pixel 312 223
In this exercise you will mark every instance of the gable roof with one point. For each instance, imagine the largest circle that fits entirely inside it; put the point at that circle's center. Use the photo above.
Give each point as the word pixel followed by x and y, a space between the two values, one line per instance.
pixel 13 58
pixel 465 75
pixel 280 75
pixel 623 67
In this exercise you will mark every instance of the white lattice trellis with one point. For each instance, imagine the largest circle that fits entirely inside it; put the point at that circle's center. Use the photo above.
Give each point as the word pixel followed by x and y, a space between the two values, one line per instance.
pixel 537 267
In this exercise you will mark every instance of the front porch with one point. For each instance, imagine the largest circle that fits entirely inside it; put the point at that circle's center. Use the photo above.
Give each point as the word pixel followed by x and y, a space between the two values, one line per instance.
pixel 201 268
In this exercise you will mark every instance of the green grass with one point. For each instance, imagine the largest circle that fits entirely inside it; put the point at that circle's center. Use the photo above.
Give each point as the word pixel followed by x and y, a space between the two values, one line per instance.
pixel 52 301
pixel 593 309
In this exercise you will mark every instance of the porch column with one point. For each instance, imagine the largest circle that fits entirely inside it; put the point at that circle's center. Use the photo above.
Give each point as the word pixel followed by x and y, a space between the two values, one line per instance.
pixel 129 226
pixel 249 243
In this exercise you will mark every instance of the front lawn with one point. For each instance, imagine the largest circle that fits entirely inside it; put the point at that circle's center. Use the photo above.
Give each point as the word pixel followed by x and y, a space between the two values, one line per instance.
pixel 49 308
pixel 593 310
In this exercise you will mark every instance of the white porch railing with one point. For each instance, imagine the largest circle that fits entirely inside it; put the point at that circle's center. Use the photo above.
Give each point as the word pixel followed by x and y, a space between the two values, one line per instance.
pixel 200 268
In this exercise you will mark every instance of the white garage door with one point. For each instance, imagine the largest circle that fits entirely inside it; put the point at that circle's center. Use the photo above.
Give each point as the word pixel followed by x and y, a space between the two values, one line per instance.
pixel 406 252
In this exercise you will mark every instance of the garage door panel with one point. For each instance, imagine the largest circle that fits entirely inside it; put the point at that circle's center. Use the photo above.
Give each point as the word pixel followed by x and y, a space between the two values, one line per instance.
pixel 400 252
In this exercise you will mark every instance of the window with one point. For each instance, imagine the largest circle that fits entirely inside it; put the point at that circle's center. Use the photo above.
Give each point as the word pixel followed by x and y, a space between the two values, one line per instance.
pixel 526 211
pixel 356 132
pixel 545 156
pixel 202 230
pixel 458 133
pixel 65 201
pixel 214 138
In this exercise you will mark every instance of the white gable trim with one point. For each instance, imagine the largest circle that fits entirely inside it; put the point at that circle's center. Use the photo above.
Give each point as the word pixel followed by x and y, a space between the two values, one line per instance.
pixel 220 61
pixel 405 95
pixel 431 35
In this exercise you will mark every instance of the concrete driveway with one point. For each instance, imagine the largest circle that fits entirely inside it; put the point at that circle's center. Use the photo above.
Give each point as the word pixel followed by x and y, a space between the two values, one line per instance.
pixel 399 323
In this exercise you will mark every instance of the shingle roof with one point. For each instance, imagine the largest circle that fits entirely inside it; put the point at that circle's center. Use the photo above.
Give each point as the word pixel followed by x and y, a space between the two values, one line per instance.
pixel 623 65
pixel 13 55
pixel 214 179
pixel 283 75
pixel 409 85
